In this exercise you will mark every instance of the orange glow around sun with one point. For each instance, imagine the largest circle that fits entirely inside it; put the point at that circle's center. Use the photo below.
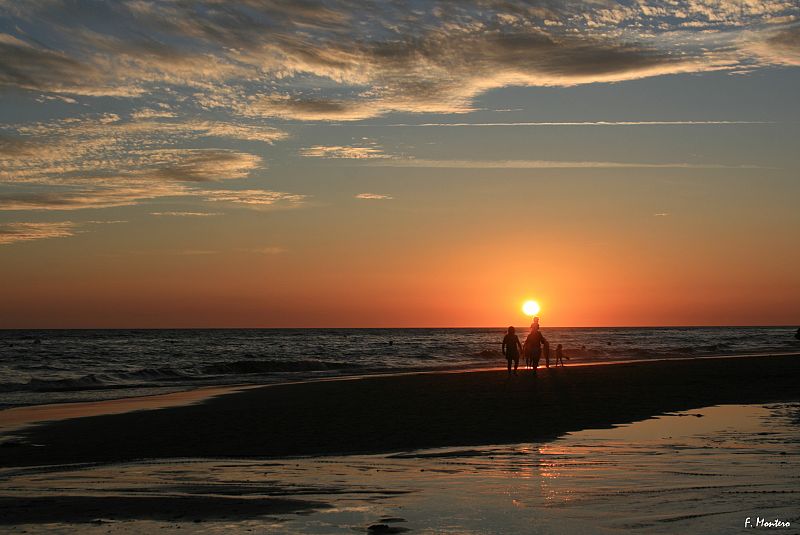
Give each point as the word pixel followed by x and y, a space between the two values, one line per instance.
pixel 530 308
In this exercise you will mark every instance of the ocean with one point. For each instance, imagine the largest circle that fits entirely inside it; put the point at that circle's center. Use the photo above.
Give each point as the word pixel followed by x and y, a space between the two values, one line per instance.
pixel 54 366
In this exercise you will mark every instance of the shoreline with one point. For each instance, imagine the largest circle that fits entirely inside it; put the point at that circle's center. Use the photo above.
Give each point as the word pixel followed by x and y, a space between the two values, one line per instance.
pixel 21 416
pixel 399 412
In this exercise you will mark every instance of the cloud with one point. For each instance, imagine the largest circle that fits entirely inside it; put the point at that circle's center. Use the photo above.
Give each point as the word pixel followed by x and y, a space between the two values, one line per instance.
pixel 103 145
pixel 14 147
pixel 106 194
pixel 207 165
pixel 250 65
pixel 27 66
pixel 253 197
pixel 544 164
pixel 269 250
pixel 373 196
pixel 114 195
pixel 346 152
pixel 342 61
pixel 781 47
pixel 186 214
pixel 261 133
pixel 590 123
pixel 310 108
pixel 443 71
pixel 150 113
pixel 103 160
pixel 17 232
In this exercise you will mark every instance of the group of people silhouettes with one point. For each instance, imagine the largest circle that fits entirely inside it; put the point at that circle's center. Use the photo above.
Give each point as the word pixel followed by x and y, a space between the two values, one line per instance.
pixel 532 350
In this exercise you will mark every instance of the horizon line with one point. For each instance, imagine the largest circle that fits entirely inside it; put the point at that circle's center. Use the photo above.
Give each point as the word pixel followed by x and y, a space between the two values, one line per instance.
pixel 787 325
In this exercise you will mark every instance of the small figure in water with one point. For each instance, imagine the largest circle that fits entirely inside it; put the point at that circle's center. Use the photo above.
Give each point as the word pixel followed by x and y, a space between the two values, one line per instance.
pixel 511 348
pixel 560 355
pixel 797 334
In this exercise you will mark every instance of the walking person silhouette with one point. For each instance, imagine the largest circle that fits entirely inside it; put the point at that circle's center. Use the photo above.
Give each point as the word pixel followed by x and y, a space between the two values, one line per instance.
pixel 511 348
pixel 533 346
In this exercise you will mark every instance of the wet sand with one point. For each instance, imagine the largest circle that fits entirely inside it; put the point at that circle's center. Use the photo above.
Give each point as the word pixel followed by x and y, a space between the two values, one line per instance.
pixel 17 417
pixel 407 412
pixel 700 471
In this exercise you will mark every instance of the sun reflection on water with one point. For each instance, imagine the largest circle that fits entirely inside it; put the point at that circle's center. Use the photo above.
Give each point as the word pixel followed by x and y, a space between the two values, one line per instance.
pixel 690 471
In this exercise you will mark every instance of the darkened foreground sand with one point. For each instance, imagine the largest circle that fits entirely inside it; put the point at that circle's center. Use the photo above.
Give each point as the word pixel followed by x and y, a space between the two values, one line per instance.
pixel 380 414
pixel 71 509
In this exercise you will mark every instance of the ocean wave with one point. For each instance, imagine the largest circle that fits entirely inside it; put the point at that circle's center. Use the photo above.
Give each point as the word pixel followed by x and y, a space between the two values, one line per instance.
pixel 96 381
pixel 244 367
pixel 149 374
pixel 87 382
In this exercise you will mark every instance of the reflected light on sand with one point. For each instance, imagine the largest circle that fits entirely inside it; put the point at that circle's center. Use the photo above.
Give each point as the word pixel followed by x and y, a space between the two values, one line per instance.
pixel 611 479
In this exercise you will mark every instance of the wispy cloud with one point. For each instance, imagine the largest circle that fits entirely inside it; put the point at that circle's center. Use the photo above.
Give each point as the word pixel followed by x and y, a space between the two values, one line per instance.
pixel 102 160
pixel 18 232
pixel 374 58
pixel 781 47
pixel 200 86
pixel 545 164
pixel 589 123
pixel 253 197
pixel 267 250
pixel 374 196
pixel 186 214
pixel 105 194
pixel 150 113
pixel 346 152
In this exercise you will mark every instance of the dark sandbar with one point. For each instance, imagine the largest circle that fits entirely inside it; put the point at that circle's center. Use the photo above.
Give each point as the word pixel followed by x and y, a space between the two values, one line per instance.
pixel 65 508
pixel 400 413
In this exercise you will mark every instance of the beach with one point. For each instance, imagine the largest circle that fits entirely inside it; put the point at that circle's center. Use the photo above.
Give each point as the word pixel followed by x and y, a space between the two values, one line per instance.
pixel 694 445
pixel 405 412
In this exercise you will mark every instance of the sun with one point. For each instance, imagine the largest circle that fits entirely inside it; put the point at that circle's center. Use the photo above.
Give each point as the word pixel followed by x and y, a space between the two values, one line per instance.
pixel 531 308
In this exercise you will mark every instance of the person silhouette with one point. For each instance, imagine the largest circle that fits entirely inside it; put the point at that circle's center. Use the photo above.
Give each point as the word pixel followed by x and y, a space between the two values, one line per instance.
pixel 511 348
pixel 560 355
pixel 533 346
pixel 530 354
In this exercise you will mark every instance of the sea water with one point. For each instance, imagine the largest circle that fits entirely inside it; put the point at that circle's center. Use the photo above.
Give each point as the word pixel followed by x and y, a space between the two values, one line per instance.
pixel 48 366
pixel 707 470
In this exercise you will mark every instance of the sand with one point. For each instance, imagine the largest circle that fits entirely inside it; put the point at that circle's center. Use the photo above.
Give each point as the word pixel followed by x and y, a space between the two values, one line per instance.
pixel 17 417
pixel 699 471
pixel 407 412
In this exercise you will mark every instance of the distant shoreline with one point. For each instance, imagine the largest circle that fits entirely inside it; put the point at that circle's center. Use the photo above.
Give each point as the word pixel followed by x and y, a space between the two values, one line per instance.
pixel 401 412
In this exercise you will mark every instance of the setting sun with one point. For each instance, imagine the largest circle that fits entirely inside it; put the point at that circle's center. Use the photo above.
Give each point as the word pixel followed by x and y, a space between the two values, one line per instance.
pixel 531 308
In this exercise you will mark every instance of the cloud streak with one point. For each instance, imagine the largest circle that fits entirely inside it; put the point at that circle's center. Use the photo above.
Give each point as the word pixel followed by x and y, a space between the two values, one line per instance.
pixel 104 161
pixel 545 164
pixel 590 123
pixel 374 196
pixel 186 214
pixel 343 152
pixel 253 197
pixel 21 232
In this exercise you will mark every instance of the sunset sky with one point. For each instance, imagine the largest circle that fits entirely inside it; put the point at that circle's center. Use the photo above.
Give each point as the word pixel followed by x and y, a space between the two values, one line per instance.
pixel 271 163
